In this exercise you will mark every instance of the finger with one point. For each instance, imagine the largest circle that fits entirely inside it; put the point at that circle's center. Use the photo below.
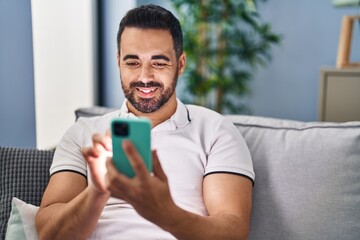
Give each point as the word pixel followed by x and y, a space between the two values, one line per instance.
pixel 90 152
pixel 108 139
pixel 135 160
pixel 101 142
pixel 108 133
pixel 157 169
pixel 99 145
pixel 113 171
pixel 118 184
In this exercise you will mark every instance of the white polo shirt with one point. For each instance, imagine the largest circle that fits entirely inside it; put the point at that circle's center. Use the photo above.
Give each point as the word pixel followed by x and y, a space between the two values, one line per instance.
pixel 193 143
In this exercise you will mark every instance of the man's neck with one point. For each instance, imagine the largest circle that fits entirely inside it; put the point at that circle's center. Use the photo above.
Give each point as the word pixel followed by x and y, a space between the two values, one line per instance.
pixel 160 115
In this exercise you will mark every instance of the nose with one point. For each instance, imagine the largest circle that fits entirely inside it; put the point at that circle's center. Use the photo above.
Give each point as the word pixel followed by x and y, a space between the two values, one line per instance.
pixel 146 74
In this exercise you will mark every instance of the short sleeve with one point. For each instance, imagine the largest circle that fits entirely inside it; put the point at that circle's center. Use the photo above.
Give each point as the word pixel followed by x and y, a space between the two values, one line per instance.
pixel 229 152
pixel 68 156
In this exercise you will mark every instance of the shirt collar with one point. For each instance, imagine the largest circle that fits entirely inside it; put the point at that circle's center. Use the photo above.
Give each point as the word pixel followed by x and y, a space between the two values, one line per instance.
pixel 124 111
pixel 179 119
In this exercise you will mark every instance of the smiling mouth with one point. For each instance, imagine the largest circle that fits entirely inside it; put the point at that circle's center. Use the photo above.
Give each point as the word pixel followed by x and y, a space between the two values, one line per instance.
pixel 146 92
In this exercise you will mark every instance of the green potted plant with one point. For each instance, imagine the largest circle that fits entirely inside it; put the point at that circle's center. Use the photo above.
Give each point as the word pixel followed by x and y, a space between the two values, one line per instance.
pixel 225 40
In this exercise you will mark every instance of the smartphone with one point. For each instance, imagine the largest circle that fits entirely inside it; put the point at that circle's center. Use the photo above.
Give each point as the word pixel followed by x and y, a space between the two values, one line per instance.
pixel 136 130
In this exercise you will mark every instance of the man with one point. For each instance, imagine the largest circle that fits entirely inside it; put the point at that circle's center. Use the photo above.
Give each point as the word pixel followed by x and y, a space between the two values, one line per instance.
pixel 202 177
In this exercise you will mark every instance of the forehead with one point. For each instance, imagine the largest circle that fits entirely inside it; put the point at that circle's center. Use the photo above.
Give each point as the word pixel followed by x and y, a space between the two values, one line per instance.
pixel 146 41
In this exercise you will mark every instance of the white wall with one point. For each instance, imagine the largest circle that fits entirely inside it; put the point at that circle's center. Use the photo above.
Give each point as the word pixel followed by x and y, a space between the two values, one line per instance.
pixel 64 69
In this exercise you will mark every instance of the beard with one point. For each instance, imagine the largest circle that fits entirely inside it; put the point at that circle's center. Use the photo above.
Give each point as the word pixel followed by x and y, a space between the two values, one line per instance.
pixel 149 105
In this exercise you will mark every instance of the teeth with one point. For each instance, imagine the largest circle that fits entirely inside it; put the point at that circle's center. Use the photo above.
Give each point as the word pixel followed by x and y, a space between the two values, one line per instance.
pixel 147 90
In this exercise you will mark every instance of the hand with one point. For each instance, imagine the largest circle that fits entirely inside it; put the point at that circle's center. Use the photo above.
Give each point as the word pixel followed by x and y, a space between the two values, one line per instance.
pixel 96 156
pixel 148 194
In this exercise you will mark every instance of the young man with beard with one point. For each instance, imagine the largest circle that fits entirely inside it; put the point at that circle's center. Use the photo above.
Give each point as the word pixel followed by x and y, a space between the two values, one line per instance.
pixel 202 177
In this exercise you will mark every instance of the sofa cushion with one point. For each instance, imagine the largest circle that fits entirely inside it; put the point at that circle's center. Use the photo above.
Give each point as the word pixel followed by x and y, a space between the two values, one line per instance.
pixel 24 174
pixel 307 182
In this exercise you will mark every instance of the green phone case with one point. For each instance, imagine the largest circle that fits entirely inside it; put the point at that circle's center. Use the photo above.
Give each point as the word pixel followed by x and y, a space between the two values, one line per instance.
pixel 139 135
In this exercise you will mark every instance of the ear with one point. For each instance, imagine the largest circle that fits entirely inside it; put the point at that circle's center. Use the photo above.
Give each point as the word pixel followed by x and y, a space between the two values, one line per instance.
pixel 182 63
pixel 118 59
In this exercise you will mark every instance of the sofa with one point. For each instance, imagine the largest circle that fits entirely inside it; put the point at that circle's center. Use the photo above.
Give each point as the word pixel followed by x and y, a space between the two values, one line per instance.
pixel 307 182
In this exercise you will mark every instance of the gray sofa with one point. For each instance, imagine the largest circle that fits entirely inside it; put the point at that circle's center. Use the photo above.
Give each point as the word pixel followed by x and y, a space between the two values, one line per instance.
pixel 307 182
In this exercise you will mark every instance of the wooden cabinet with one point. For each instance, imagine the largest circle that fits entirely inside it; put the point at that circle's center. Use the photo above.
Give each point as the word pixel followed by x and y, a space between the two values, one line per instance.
pixel 339 98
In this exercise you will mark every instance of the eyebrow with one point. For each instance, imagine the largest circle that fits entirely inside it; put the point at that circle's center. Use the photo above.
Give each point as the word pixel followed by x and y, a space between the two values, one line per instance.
pixel 130 56
pixel 163 57
pixel 155 57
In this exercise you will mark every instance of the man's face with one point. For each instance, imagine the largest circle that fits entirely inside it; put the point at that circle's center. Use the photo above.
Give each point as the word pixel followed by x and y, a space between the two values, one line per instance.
pixel 148 68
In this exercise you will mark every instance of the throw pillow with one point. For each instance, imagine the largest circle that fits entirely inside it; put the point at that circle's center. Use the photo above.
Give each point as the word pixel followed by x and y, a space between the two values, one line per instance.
pixel 21 224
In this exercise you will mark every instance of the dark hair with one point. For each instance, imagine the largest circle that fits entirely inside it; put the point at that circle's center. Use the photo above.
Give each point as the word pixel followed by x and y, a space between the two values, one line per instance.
pixel 153 17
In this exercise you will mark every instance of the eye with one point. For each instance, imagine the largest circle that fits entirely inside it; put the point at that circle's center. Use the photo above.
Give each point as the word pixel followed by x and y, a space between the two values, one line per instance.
pixel 132 64
pixel 159 64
